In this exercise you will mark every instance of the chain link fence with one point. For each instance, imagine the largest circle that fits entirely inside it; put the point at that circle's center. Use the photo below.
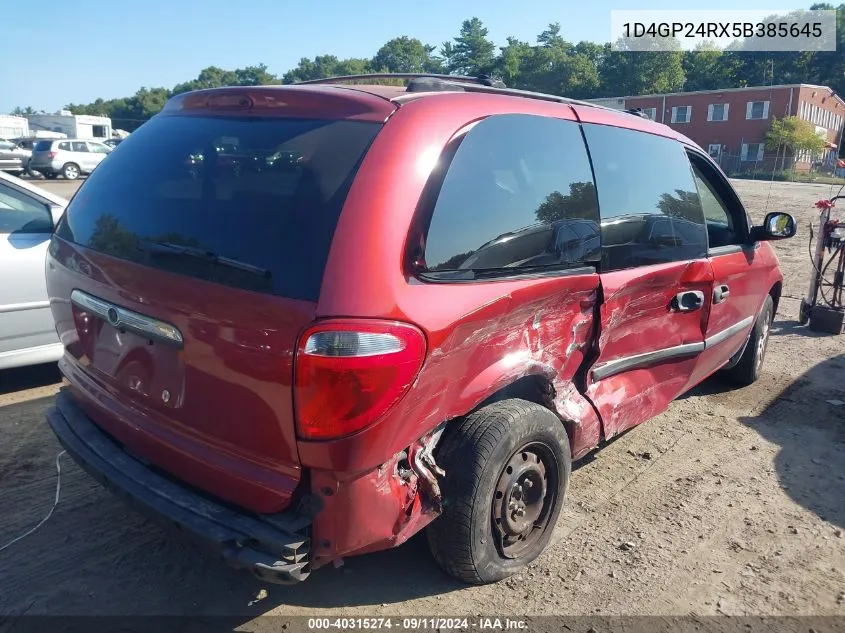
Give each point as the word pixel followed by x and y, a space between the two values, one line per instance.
pixel 736 164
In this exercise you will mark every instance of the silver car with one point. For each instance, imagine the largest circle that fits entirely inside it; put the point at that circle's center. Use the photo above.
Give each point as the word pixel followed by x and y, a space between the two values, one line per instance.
pixel 69 157
pixel 13 157
pixel 27 217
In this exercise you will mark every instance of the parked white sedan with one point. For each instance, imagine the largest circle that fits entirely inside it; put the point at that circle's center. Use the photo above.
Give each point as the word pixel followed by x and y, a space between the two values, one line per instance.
pixel 27 217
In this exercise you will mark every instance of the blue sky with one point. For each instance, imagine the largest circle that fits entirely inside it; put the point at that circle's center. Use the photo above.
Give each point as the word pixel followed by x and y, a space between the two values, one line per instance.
pixel 97 48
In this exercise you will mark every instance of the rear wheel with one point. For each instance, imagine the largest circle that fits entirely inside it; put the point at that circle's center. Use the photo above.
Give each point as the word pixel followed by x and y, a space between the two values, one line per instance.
pixel 750 365
pixel 507 469
pixel 70 171
pixel 51 176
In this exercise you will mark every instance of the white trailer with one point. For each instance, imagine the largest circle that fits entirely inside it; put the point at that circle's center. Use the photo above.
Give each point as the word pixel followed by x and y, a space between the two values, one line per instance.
pixel 13 126
pixel 73 125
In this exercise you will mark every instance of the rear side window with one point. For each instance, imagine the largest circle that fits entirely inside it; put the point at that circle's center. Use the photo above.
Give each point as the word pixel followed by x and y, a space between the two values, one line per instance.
pixel 650 209
pixel 250 203
pixel 43 146
pixel 516 187
pixel 66 147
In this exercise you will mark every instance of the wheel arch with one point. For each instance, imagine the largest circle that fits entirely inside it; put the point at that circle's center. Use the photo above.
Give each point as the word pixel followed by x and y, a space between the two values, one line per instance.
pixel 539 389
pixel 775 293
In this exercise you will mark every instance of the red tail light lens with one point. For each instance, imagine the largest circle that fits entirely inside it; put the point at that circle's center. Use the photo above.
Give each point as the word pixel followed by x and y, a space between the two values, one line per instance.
pixel 348 374
pixel 51 154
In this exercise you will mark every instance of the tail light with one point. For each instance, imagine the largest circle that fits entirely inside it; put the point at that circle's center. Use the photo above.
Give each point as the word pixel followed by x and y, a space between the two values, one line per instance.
pixel 348 374
pixel 51 154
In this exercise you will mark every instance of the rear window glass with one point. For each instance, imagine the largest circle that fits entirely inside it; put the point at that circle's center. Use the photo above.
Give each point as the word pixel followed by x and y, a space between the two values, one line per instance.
pixel 43 146
pixel 250 203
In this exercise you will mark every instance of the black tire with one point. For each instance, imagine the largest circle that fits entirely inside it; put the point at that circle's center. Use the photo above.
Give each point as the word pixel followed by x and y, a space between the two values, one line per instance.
pixel 51 176
pixel 71 171
pixel 467 539
pixel 750 365
pixel 804 313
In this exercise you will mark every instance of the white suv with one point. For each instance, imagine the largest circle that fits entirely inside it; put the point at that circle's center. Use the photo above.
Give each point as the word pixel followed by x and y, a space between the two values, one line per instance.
pixel 69 157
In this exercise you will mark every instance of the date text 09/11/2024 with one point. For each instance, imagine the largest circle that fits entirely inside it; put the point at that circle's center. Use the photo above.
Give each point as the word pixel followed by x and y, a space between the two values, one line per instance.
pixel 417 623
pixel 722 29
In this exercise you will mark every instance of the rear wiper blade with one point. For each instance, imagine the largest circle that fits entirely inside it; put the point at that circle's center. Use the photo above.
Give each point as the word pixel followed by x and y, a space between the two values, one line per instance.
pixel 210 256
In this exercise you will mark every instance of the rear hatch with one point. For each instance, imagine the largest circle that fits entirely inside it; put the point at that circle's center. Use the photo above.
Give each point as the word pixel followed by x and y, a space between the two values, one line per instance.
pixel 187 265
pixel 41 152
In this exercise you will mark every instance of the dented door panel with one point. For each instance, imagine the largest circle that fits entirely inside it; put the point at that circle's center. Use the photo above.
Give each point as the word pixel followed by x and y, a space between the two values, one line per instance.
pixel 647 349
pixel 740 286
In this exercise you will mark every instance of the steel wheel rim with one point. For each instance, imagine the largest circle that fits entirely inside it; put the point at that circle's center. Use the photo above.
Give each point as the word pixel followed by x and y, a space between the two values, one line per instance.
pixel 761 344
pixel 523 499
pixel 71 172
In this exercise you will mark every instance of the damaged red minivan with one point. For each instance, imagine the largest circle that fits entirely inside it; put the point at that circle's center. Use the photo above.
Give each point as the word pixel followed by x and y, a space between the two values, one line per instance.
pixel 305 322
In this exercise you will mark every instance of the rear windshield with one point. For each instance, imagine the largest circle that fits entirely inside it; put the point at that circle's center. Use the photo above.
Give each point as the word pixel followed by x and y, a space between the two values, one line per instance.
pixel 250 203
pixel 43 146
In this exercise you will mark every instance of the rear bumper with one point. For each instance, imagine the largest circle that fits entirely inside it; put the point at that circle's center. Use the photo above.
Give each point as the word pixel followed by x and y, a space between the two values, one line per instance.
pixel 276 548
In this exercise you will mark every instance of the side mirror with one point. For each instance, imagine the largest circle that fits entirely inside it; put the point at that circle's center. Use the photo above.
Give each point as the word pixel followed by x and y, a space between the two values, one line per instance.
pixel 776 226
pixel 56 213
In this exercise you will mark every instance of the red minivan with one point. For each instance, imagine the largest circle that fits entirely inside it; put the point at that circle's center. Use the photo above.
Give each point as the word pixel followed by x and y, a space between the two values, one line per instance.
pixel 305 322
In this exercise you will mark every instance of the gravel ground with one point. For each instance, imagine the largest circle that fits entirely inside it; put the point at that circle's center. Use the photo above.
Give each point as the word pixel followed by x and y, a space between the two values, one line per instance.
pixel 729 503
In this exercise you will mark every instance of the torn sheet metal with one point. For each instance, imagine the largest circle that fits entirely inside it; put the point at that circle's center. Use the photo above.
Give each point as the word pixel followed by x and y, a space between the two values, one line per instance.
pixel 379 509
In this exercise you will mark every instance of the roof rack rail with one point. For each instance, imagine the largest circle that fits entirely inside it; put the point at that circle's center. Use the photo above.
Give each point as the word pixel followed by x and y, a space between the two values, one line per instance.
pixel 431 82
pixel 484 80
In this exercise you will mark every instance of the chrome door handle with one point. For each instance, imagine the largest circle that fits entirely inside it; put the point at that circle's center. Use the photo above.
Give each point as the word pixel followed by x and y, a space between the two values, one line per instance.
pixel 721 293
pixel 688 301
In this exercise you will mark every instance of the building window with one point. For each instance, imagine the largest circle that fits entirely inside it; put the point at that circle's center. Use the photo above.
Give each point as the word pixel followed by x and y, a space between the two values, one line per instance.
pixel 717 112
pixel 681 114
pixel 715 150
pixel 752 151
pixel 651 113
pixel 757 110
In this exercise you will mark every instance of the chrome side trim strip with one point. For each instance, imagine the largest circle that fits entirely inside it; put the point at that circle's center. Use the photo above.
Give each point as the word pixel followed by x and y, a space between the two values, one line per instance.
pixel 20 307
pixel 122 318
pixel 619 365
pixel 724 335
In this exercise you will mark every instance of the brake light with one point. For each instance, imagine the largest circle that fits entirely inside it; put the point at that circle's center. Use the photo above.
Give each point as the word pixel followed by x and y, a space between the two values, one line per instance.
pixel 51 154
pixel 349 374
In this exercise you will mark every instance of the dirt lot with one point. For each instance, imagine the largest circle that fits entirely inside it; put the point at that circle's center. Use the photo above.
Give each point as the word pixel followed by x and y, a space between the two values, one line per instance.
pixel 730 503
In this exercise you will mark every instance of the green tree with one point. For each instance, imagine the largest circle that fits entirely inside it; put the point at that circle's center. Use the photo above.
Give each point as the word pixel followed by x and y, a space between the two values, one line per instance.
pixel 794 135
pixel 646 70
pixel 685 205
pixel 406 55
pixel 708 68
pixel 472 53
pixel 255 76
pixel 19 111
pixel 323 66
pixel 210 77
pixel 580 202
pixel 514 62
pixel 558 67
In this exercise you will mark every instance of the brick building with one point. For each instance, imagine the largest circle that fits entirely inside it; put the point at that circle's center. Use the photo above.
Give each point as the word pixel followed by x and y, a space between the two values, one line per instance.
pixel 731 124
